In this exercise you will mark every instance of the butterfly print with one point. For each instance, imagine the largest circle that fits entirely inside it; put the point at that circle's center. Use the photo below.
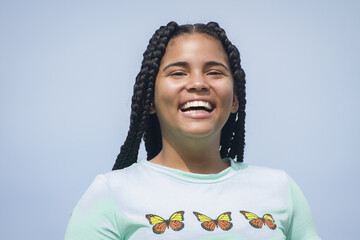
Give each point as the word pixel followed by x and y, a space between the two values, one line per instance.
pixel 161 224
pixel 223 221
pixel 258 222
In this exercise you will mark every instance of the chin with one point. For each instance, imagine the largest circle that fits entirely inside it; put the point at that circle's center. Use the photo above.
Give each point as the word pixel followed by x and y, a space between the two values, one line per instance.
pixel 200 133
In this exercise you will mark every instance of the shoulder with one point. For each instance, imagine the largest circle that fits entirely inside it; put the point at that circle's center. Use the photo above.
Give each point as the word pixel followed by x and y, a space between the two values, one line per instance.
pixel 259 172
pixel 118 179
pixel 263 178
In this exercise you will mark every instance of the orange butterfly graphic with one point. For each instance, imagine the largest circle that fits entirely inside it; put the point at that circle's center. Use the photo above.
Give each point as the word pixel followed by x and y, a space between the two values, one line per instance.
pixel 161 224
pixel 223 221
pixel 257 222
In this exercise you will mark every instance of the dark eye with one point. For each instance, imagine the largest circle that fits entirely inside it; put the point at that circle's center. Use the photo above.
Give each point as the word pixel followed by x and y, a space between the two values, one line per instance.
pixel 177 74
pixel 215 73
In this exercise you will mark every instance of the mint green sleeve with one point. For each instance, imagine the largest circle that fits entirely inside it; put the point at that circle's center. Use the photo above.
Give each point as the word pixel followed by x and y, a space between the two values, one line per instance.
pixel 94 215
pixel 302 226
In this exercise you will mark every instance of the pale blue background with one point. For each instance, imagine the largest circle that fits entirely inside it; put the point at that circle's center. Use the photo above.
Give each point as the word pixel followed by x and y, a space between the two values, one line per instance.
pixel 67 69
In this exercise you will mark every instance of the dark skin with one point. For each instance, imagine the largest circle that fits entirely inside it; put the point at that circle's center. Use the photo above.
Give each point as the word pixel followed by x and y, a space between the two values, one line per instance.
pixel 194 96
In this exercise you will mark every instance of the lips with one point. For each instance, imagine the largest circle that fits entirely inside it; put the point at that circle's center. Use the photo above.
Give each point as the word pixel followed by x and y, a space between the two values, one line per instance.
pixel 197 106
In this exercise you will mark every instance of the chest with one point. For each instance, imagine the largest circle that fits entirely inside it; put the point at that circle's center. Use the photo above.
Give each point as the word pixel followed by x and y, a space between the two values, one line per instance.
pixel 228 210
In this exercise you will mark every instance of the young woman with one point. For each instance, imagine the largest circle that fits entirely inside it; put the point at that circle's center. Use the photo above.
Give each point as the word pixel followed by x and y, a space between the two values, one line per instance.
pixel 189 107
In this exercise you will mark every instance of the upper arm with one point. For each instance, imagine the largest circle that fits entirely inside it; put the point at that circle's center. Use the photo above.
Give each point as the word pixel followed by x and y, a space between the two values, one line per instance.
pixel 302 226
pixel 94 217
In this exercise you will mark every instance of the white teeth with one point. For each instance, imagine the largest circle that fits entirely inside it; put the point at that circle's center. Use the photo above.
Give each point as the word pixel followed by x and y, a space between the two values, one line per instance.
pixel 206 105
pixel 196 111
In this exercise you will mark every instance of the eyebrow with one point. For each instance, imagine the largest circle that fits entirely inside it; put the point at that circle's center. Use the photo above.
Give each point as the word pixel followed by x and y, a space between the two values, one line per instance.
pixel 176 64
pixel 186 64
pixel 214 63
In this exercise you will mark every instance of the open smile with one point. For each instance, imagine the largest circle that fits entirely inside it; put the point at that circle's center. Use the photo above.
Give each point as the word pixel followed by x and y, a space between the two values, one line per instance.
pixel 197 106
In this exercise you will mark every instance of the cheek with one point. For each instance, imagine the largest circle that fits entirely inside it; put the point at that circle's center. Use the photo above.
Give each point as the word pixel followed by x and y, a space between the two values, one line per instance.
pixel 226 92
pixel 167 91
pixel 164 97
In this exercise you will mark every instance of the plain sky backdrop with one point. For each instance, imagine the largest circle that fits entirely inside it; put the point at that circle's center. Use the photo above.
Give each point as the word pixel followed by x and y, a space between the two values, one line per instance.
pixel 67 70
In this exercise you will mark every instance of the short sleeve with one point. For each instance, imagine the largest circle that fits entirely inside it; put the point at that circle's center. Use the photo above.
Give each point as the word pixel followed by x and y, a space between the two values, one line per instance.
pixel 302 226
pixel 94 215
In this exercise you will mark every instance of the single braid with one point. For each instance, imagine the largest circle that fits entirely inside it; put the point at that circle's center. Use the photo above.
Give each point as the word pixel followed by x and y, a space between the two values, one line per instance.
pixel 152 135
pixel 238 143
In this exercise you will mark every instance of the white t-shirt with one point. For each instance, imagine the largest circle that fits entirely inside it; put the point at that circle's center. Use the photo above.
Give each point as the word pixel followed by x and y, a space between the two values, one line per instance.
pixel 149 201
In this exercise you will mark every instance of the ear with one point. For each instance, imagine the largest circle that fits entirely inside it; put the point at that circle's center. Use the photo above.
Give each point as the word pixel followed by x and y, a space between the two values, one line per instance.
pixel 152 108
pixel 235 104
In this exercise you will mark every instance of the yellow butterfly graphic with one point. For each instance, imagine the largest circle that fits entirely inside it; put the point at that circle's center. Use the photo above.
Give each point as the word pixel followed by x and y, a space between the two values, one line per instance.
pixel 223 221
pixel 258 222
pixel 161 224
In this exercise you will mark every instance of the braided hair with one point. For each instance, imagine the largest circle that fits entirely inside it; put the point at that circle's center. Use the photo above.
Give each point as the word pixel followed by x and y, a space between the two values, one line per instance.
pixel 144 125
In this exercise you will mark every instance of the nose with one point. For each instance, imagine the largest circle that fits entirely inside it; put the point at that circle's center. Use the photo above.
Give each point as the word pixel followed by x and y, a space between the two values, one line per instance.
pixel 197 83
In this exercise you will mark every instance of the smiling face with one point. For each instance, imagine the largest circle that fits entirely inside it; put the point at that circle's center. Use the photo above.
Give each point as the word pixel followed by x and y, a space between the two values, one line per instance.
pixel 194 90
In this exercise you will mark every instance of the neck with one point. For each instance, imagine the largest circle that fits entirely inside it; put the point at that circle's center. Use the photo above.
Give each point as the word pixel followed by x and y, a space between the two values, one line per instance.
pixel 191 155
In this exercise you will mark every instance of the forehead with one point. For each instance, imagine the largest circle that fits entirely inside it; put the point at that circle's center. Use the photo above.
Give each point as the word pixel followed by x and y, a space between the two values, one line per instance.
pixel 189 44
